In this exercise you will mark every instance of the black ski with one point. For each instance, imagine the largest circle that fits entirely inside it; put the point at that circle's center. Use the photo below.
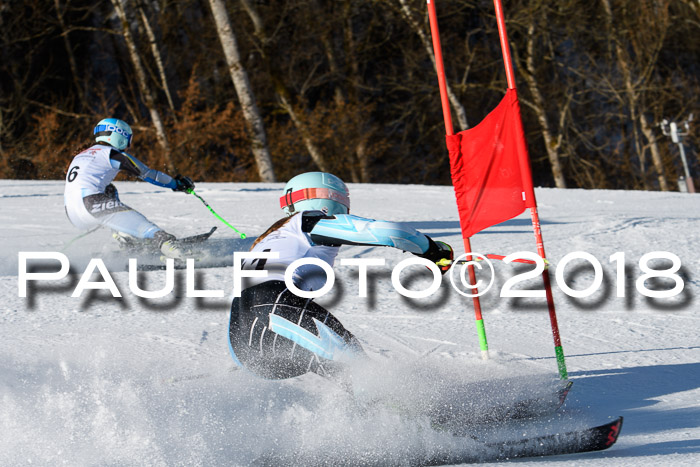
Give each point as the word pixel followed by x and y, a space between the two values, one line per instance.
pixel 461 422
pixel 187 243
pixel 150 246
pixel 536 407
pixel 196 238
pixel 596 438
pixel 531 408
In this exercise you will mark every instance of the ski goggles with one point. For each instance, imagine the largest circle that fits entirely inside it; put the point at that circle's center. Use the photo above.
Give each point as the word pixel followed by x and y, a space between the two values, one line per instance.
pixel 291 197
pixel 107 130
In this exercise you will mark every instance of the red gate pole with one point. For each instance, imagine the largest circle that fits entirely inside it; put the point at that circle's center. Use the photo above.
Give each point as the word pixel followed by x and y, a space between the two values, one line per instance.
pixel 449 130
pixel 527 178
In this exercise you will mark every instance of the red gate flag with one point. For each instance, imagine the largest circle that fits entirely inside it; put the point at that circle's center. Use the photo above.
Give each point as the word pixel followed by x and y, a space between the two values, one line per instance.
pixel 490 168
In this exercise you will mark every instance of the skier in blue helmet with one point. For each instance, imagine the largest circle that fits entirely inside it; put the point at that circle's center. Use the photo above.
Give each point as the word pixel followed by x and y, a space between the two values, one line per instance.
pixel 91 199
pixel 277 334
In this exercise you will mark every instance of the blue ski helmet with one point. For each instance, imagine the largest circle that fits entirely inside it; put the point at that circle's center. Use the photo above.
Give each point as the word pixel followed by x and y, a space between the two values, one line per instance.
pixel 114 132
pixel 315 191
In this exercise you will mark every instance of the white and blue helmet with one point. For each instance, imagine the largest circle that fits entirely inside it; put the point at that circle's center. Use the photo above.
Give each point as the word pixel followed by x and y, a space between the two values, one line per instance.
pixel 315 191
pixel 114 132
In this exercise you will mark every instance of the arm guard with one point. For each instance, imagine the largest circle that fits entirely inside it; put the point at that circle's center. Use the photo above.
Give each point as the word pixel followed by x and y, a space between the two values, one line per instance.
pixel 346 229
pixel 133 166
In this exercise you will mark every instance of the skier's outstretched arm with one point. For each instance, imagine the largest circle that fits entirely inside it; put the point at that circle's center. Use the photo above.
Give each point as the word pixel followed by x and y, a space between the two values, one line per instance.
pixel 347 229
pixel 133 166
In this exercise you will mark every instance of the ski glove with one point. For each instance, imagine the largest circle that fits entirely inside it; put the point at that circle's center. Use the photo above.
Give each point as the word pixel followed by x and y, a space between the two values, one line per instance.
pixel 111 191
pixel 183 184
pixel 440 253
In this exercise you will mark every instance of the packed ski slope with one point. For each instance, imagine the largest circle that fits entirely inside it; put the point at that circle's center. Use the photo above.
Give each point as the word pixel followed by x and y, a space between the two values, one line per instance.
pixel 98 380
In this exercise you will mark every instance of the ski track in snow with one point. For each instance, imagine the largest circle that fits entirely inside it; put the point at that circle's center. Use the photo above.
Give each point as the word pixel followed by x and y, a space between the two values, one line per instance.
pixel 98 380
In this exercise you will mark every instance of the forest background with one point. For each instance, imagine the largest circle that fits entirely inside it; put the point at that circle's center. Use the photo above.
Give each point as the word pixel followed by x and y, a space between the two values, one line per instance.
pixel 249 90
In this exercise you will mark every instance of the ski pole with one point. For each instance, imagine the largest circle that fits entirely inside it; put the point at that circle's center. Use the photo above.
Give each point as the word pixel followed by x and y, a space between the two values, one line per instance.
pixel 84 234
pixel 191 191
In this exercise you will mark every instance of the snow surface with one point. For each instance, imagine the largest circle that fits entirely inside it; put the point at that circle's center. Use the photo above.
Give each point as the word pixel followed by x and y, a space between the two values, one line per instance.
pixel 98 380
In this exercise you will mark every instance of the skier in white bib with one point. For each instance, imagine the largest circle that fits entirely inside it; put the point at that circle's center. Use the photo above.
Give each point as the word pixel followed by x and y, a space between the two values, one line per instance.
pixel 91 199
pixel 277 334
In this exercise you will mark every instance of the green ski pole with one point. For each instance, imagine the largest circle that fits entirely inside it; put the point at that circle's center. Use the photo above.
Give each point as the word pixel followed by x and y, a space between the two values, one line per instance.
pixel 215 214
pixel 84 234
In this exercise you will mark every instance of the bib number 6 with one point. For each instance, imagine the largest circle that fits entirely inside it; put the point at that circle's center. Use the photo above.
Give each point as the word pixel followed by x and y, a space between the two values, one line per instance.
pixel 73 173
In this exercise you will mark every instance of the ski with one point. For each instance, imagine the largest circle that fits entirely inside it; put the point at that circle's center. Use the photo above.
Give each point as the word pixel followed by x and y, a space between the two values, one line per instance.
pixel 149 247
pixel 531 408
pixel 535 407
pixel 596 438
pixel 190 243
pixel 460 422
pixel 196 238
pixel 591 439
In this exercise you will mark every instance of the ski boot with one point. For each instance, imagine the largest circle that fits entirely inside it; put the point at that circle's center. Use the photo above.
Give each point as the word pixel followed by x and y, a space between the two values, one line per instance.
pixel 172 249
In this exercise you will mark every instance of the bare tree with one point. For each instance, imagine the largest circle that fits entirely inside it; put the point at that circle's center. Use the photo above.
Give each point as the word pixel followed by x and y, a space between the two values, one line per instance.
pixel 69 51
pixel 636 76
pixel 347 83
pixel 695 6
pixel 281 89
pixel 156 55
pixel 552 141
pixel 239 76
pixel 428 46
pixel 149 100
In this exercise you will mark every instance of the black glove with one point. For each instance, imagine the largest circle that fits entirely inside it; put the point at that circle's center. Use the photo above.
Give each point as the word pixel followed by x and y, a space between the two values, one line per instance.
pixel 183 184
pixel 111 191
pixel 439 253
